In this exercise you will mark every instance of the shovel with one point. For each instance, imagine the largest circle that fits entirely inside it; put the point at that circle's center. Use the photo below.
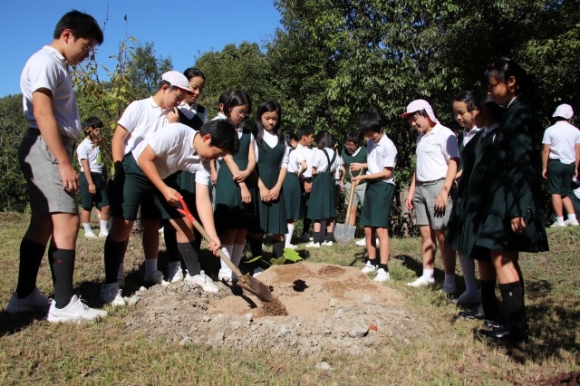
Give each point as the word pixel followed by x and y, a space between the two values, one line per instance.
pixel 246 281
pixel 344 233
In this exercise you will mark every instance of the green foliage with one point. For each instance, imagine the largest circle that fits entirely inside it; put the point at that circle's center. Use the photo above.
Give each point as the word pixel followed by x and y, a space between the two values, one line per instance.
pixel 289 255
pixel 13 192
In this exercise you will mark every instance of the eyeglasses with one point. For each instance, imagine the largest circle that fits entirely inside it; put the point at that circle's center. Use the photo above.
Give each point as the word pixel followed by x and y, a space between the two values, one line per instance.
pixel 241 113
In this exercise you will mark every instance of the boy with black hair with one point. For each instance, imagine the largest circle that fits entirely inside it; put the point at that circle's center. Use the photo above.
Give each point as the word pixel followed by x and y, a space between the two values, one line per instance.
pixel 305 156
pixel 140 119
pixel 178 147
pixel 380 190
pixel 45 156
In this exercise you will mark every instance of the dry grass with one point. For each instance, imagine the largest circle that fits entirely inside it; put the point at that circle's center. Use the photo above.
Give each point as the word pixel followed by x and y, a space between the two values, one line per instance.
pixel 35 352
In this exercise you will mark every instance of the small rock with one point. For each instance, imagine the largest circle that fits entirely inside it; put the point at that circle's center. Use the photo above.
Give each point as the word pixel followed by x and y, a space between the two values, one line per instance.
pixel 323 366
pixel 333 302
pixel 358 331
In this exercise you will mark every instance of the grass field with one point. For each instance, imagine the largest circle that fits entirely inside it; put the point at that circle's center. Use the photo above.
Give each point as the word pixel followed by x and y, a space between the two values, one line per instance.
pixel 32 351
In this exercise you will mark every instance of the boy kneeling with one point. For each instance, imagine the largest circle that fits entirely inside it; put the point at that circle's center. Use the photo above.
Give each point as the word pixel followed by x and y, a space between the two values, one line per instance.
pixel 177 147
pixel 376 210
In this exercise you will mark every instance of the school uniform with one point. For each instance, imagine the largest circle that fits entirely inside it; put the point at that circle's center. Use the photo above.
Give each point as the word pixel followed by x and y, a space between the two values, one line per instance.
pixel 141 119
pixel 321 203
pixel 306 154
pixel 271 158
pixel 562 138
pixel 376 210
pixel 230 212
pixel 512 183
pixel 358 156
pixel 92 153
pixel 292 190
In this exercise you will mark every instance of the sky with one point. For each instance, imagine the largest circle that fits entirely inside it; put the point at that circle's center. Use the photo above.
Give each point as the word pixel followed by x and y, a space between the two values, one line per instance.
pixel 180 33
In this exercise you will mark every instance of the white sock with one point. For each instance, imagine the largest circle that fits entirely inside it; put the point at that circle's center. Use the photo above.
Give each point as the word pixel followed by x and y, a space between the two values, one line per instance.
pixel 150 266
pixel 237 252
pixel 468 269
pixel 428 273
pixel 572 217
pixel 227 250
pixel 103 225
pixel 560 219
pixel 450 279
pixel 87 227
pixel 288 237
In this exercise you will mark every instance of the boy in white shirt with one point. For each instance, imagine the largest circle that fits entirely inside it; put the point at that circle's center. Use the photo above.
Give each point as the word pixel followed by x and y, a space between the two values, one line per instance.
pixel 429 193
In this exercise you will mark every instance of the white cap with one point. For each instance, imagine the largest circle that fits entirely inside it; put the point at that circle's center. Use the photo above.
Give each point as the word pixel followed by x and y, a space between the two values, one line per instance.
pixel 564 111
pixel 177 79
pixel 418 105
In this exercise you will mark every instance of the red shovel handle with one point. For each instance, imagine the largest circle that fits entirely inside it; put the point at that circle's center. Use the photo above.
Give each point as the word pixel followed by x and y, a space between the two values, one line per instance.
pixel 185 211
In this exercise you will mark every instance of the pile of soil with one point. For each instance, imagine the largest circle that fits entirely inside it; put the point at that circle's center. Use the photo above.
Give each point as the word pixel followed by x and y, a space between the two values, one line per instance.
pixel 321 308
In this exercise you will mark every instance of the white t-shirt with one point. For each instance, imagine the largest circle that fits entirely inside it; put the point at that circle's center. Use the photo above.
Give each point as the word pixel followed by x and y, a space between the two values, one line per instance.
pixel 381 155
pixel 306 154
pixel 293 163
pixel 272 141
pixel 174 149
pixel 190 111
pixel 47 69
pixel 562 138
pixel 434 151
pixel 320 162
pixel 87 150
pixel 142 118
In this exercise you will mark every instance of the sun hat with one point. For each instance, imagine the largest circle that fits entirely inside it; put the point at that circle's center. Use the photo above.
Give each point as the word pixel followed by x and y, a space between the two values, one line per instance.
pixel 418 105
pixel 564 111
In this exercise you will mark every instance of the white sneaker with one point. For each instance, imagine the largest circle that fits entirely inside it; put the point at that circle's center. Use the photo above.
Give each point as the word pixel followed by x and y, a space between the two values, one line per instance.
pixel 90 235
pixel 449 288
pixel 111 294
pixel 258 271
pixel 327 243
pixel 35 302
pixel 156 278
pixel 382 276
pixel 362 242
pixel 202 281
pixel 291 246
pixel 422 282
pixel 76 311
pixel 103 233
pixel 557 224
pixel 473 297
pixel 572 223
pixel 225 275
pixel 174 272
pixel 368 268
pixel 161 230
pixel 312 244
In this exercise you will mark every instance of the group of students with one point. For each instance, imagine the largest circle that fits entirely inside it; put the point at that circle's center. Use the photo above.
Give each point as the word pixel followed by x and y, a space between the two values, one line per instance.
pixel 479 194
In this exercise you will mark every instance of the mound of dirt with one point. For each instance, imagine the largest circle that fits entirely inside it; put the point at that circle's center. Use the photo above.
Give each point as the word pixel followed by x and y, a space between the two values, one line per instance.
pixel 322 308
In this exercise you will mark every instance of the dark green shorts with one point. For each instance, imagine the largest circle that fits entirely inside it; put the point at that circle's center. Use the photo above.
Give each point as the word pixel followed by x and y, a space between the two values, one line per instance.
pixel 376 210
pixel 559 177
pixel 100 198
pixel 133 189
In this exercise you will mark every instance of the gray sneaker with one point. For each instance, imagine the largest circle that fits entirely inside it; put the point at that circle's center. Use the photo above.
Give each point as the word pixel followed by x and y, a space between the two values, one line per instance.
pixel 156 278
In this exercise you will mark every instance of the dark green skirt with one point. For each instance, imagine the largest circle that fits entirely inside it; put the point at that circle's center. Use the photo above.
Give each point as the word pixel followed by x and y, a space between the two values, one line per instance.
pixel 376 210
pixel 293 197
pixel 321 202
pixel 230 212
pixel 272 215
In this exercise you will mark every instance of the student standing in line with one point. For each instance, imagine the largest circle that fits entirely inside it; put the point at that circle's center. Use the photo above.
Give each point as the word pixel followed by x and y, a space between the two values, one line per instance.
pixel 430 190
pixel 305 153
pixel 140 119
pixel 93 178
pixel 513 220
pixel 560 157
pixel 272 165
pixel 380 190
pixel 214 164
pixel 292 191
pixel 464 111
pixel 193 115
pixel 321 205
pixel 234 190
pixel 45 156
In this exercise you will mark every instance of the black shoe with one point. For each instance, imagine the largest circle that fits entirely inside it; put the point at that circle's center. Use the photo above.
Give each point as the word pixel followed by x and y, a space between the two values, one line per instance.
pixel 472 314
pixel 492 324
pixel 502 334
pixel 305 237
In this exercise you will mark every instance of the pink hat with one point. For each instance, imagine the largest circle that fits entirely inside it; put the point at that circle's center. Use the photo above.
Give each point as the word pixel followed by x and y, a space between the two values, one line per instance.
pixel 177 79
pixel 564 111
pixel 418 105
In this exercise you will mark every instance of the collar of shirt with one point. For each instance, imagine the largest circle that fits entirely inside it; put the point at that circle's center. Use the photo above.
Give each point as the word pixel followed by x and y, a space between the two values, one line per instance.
pixel 488 130
pixel 434 130
pixel 356 151
pixel 188 110
pixel 156 106
pixel 468 134
pixel 53 51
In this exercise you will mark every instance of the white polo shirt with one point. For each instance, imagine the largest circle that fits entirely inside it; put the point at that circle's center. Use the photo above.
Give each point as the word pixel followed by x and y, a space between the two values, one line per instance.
pixel 142 118
pixel 87 150
pixel 562 138
pixel 434 151
pixel 381 155
pixel 293 164
pixel 174 148
pixel 272 141
pixel 47 69
pixel 306 154
pixel 320 162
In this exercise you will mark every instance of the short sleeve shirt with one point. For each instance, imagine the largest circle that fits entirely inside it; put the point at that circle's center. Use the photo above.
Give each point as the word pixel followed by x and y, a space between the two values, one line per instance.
pixel 434 151
pixel 562 138
pixel 320 162
pixel 87 150
pixel 381 155
pixel 47 69
pixel 305 154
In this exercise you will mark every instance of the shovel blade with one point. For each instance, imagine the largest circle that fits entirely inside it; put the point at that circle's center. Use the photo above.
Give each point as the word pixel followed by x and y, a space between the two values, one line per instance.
pixel 344 233
pixel 256 287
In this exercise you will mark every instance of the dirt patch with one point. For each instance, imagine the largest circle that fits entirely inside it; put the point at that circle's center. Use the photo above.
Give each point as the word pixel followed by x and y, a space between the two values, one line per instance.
pixel 321 307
